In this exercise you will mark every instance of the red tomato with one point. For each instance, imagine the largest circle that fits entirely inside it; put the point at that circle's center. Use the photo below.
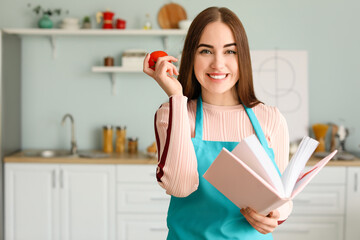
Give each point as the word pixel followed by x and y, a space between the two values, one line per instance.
pixel 154 56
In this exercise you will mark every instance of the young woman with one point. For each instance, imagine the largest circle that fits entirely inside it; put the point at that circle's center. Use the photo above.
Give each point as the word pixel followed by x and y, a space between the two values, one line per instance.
pixel 211 105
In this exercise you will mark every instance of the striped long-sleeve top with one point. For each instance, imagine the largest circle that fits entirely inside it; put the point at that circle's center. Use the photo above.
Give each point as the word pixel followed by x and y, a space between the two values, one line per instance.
pixel 175 126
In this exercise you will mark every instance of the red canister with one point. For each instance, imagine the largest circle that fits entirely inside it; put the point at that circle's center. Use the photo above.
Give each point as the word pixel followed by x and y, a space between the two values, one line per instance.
pixel 120 23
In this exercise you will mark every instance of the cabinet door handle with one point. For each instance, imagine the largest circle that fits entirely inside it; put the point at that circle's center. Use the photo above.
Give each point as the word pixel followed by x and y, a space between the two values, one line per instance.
pixel 356 182
pixel 158 229
pixel 159 199
pixel 302 201
pixel 53 178
pixel 294 230
pixel 61 179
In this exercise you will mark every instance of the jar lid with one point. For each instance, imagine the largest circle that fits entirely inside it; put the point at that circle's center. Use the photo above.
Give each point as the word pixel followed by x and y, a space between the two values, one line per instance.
pixel 107 126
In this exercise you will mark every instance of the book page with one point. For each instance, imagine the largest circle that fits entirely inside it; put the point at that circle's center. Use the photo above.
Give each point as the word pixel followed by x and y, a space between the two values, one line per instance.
pixel 252 153
pixel 297 164
pixel 306 177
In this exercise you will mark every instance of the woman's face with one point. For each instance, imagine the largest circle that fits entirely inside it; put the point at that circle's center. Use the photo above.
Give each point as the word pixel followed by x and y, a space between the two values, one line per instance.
pixel 216 63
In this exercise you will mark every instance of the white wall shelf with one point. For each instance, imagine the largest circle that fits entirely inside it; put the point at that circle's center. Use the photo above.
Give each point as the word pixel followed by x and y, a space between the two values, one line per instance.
pixel 94 32
pixel 101 69
pixel 57 32
pixel 112 71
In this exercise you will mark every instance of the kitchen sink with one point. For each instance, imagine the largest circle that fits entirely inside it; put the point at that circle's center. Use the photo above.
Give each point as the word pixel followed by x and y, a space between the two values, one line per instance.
pixel 48 153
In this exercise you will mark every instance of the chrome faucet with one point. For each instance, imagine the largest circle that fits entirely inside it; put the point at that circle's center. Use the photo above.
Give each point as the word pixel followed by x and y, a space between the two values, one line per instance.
pixel 73 141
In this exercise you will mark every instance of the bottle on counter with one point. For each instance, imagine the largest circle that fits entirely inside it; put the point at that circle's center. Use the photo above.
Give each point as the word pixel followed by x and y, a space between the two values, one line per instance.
pixel 120 139
pixel 108 139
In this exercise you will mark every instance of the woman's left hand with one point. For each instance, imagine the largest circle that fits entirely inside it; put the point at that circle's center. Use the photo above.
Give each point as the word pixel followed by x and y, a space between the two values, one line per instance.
pixel 263 224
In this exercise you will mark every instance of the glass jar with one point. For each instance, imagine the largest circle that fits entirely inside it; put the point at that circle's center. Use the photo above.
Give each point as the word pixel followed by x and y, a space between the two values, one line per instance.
pixel 108 139
pixel 120 139
pixel 132 145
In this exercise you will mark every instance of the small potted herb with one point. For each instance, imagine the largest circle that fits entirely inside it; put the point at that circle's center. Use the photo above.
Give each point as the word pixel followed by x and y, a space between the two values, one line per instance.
pixel 86 22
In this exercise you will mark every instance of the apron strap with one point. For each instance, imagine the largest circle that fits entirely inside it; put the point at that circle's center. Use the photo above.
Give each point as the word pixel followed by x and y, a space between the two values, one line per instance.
pixel 199 119
pixel 261 136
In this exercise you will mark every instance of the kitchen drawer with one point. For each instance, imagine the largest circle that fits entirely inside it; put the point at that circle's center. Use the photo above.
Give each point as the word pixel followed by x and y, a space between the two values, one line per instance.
pixel 136 173
pixel 142 198
pixel 320 199
pixel 311 228
pixel 140 227
pixel 330 175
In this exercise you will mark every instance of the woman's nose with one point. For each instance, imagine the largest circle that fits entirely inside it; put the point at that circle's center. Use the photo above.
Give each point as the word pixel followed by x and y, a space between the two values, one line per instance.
pixel 218 61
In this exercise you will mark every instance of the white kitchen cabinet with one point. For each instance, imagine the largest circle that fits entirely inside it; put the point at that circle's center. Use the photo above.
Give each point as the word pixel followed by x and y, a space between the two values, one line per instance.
pixel 319 210
pixel 141 204
pixel 31 202
pixel 311 228
pixel 352 229
pixel 59 201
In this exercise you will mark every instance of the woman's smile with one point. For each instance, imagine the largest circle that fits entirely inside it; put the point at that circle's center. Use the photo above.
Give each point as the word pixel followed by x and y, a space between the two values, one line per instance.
pixel 217 76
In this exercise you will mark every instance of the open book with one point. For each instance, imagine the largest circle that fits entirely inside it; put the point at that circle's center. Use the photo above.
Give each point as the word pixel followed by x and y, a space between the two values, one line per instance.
pixel 248 177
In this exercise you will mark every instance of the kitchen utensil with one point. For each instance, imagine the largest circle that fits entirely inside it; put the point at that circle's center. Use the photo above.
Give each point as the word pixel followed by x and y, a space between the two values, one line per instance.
pixel 334 130
pixel 170 15
pixel 107 17
pixel 320 133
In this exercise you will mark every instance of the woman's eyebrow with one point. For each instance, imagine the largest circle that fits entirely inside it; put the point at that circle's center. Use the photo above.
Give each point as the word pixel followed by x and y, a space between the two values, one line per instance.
pixel 229 45
pixel 209 46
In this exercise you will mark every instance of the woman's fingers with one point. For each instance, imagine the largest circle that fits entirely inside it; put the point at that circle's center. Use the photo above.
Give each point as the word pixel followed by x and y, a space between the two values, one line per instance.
pixel 146 67
pixel 263 224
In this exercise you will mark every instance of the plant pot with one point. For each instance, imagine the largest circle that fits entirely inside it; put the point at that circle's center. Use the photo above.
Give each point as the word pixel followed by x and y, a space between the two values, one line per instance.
pixel 45 22
pixel 86 25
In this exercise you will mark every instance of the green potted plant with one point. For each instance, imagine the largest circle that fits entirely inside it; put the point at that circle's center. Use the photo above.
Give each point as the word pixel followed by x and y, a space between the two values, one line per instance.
pixel 86 22
pixel 45 21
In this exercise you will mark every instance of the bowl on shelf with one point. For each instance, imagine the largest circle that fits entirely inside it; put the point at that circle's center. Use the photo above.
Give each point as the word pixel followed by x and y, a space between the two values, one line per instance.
pixel 185 24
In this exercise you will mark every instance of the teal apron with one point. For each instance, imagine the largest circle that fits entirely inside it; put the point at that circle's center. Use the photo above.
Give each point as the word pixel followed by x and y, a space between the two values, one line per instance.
pixel 207 213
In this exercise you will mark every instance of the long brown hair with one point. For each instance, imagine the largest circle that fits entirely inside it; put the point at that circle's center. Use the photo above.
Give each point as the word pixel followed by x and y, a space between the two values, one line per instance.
pixel 187 78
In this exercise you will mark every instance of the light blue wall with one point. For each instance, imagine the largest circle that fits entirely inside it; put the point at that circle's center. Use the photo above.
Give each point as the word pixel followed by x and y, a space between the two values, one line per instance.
pixel 328 30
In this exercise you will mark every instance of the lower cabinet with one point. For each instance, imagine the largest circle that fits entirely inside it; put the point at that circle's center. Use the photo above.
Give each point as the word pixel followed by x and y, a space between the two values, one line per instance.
pixel 311 228
pixel 319 210
pixel 139 226
pixel 353 204
pixel 59 202
pixel 124 202
pixel 141 204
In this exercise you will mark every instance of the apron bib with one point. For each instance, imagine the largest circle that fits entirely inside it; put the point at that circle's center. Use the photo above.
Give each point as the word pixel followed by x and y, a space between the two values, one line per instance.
pixel 207 213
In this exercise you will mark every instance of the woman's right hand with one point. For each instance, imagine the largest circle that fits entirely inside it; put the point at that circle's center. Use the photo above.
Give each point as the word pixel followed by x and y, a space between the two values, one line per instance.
pixel 163 74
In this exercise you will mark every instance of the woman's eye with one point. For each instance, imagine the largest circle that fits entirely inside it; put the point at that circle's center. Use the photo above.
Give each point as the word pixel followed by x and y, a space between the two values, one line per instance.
pixel 205 51
pixel 230 52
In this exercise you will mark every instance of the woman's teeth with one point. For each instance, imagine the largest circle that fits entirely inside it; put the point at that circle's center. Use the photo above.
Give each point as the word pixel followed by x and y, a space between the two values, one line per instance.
pixel 217 76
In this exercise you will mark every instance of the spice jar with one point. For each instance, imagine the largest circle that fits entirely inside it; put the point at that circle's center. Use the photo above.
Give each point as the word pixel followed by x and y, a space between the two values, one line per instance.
pixel 108 139
pixel 120 139
pixel 132 145
pixel 108 61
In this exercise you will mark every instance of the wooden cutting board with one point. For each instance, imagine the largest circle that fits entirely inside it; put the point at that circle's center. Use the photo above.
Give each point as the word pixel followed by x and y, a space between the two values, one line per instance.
pixel 170 14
